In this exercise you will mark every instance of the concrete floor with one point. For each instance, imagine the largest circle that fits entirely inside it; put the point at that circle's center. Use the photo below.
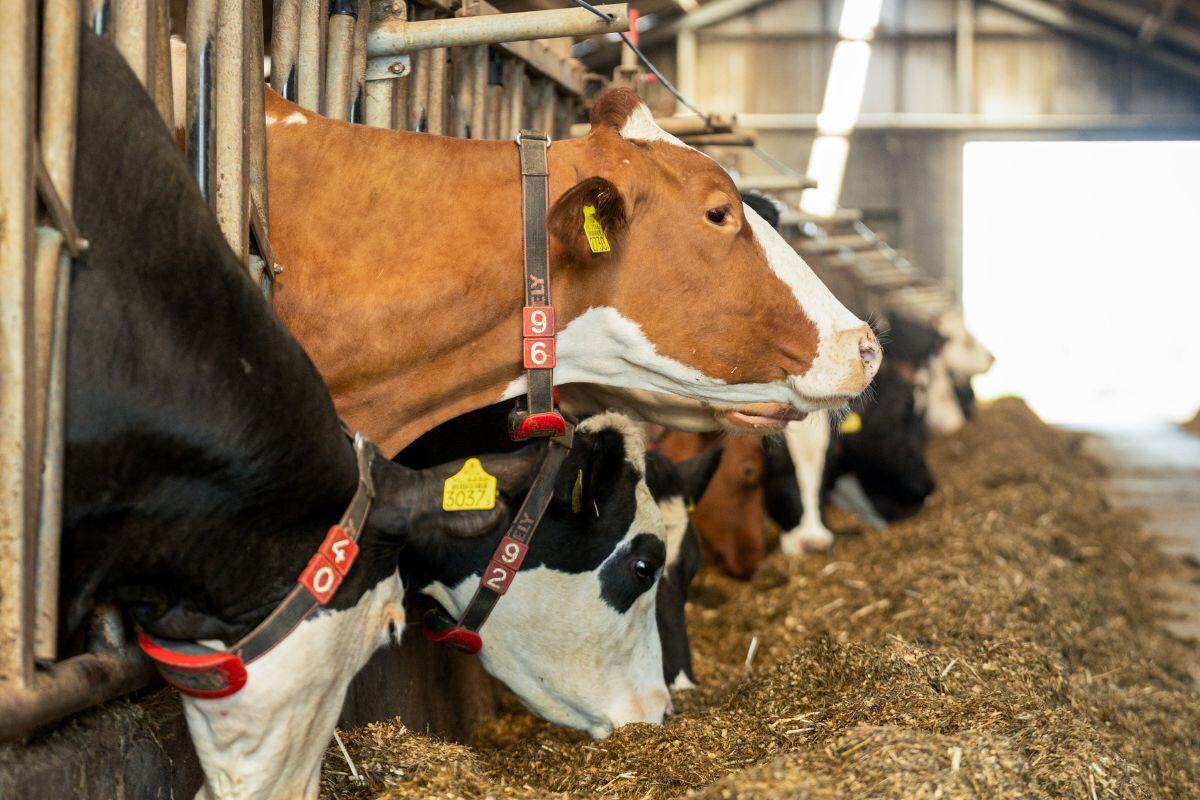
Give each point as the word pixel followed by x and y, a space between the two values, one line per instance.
pixel 1157 469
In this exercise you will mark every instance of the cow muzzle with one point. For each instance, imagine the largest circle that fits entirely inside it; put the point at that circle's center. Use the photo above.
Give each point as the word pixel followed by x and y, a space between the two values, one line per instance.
pixel 847 363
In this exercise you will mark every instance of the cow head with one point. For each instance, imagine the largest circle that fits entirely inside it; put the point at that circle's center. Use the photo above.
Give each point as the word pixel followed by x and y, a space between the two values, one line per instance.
pixel 965 355
pixel 729 516
pixel 696 295
pixel 575 635
pixel 887 453
pixel 676 487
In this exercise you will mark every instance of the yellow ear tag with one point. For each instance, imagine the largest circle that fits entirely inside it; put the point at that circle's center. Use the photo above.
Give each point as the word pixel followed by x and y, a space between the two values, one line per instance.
pixel 691 506
pixel 469 489
pixel 577 494
pixel 594 231
pixel 851 424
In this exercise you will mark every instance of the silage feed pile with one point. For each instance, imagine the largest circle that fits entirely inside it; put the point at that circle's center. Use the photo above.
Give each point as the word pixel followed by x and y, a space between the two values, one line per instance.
pixel 1002 645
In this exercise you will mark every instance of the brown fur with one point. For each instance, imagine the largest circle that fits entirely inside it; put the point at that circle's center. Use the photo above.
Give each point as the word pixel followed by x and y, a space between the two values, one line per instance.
pixel 614 108
pixel 402 253
pixel 730 517
pixel 565 220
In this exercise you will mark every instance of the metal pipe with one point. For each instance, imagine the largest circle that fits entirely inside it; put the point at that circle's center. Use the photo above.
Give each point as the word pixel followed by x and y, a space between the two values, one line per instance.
pixel 546 108
pixel 285 35
pixel 479 86
pixel 160 62
pixel 310 67
pixel 774 183
pixel 437 91
pixel 339 57
pixel 201 117
pixel 516 99
pixel 964 56
pixel 71 686
pixel 984 122
pixel 418 93
pixel 131 34
pixel 260 265
pixel 231 203
pixel 392 37
pixel 17 459
pixel 358 69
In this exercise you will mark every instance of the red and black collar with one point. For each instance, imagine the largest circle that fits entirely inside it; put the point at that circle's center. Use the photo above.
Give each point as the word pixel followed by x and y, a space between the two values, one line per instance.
pixel 205 672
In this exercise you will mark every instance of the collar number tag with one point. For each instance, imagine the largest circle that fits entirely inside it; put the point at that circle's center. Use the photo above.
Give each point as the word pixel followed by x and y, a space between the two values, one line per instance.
pixel 470 489
pixel 594 231
pixel 851 424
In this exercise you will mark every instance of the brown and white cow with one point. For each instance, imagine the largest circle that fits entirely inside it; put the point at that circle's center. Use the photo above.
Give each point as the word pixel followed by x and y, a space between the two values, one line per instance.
pixel 403 280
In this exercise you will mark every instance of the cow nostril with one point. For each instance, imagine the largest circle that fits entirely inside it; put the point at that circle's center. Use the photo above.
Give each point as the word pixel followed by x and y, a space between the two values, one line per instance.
pixel 868 351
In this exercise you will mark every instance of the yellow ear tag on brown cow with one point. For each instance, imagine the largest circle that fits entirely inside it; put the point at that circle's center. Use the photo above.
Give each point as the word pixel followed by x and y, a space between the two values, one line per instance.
pixel 851 424
pixel 577 494
pixel 469 489
pixel 594 231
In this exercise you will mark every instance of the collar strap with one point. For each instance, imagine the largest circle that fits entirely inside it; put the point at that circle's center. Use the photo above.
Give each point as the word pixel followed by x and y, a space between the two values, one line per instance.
pixel 201 671
pixel 539 418
pixel 506 560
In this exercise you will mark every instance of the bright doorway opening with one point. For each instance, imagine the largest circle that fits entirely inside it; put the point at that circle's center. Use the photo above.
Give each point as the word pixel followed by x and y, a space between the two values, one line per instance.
pixel 1081 272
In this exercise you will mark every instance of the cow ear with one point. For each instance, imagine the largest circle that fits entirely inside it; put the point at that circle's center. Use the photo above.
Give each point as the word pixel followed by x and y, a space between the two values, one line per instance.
pixel 698 471
pixel 589 221
pixel 590 471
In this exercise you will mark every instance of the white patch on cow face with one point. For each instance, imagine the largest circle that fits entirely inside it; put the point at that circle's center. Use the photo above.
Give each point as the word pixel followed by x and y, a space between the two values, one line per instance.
pixel 569 656
pixel 682 683
pixel 601 346
pixel 675 521
pixel 965 355
pixel 266 741
pixel 944 415
pixel 807 443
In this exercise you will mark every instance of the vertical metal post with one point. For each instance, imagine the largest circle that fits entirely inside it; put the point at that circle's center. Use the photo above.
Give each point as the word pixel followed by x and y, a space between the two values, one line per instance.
pixel 358 69
pixel 494 96
pixel 161 85
pixel 437 91
pixel 685 65
pixel 201 81
pixel 310 59
pixel 339 58
pixel 17 459
pixel 513 113
pixel 230 201
pixel 479 85
pixel 256 144
pixel 546 108
pixel 60 80
pixel 285 35
pixel 418 92
pixel 96 15
pixel 131 34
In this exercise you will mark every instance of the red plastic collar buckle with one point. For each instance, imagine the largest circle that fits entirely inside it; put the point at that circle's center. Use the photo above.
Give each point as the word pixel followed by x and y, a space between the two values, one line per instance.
pixel 546 423
pixel 437 628
pixel 194 669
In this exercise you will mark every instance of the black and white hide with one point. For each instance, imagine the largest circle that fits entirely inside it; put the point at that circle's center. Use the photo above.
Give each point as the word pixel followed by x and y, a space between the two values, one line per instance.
pixel 204 460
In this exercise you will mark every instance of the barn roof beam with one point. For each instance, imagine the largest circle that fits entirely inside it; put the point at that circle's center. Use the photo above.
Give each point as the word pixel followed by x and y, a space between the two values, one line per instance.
pixel 1132 17
pixel 1153 23
pixel 984 122
pixel 1055 17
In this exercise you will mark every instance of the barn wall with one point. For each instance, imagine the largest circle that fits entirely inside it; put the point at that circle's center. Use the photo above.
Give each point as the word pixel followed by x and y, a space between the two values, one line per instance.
pixel 775 60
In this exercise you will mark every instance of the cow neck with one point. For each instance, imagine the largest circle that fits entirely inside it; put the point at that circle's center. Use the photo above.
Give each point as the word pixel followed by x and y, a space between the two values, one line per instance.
pixel 452 328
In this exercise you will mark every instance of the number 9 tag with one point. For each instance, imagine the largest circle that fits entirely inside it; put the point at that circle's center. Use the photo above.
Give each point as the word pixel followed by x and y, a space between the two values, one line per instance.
pixel 469 489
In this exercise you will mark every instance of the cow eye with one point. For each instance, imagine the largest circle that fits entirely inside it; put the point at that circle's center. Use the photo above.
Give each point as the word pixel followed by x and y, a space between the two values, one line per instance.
pixel 644 569
pixel 717 216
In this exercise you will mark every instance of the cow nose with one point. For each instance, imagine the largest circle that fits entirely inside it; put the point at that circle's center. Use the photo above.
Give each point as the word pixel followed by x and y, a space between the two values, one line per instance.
pixel 871 353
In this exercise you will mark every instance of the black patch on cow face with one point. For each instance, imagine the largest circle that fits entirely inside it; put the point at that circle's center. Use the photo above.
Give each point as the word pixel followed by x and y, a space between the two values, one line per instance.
pixel 632 571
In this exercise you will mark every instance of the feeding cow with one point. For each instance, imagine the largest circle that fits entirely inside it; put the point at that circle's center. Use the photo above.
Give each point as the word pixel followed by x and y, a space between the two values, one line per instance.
pixel 963 357
pixel 205 464
pixel 696 296
pixel 672 487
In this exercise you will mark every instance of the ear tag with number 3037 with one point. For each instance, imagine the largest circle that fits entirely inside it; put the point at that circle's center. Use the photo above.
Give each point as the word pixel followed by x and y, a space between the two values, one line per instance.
pixel 594 231
pixel 469 489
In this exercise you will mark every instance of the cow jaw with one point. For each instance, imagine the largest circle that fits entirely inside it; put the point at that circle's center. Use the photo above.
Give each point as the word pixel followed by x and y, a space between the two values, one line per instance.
pixel 265 742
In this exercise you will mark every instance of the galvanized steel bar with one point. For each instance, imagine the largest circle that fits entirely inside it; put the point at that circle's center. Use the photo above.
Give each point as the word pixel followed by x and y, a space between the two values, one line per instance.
pixel 339 56
pixel 358 70
pixel 59 95
pixel 161 83
pixel 18 460
pixel 310 60
pixel 436 104
pixel 201 87
pixel 230 199
pixel 479 85
pixel 391 37
pixel 131 29
pixel 285 38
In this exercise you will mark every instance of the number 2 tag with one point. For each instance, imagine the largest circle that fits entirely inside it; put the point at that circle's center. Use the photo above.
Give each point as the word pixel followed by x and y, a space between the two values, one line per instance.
pixel 469 489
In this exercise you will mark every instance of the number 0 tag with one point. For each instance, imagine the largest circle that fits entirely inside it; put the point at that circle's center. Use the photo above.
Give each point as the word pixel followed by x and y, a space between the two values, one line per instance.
pixel 469 489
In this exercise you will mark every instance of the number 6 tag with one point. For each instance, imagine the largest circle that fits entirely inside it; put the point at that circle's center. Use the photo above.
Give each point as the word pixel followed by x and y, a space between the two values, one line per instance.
pixel 539 354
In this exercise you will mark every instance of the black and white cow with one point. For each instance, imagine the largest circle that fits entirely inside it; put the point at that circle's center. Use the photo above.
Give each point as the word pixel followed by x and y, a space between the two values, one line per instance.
pixel 673 488
pixel 205 464
pixel 881 446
